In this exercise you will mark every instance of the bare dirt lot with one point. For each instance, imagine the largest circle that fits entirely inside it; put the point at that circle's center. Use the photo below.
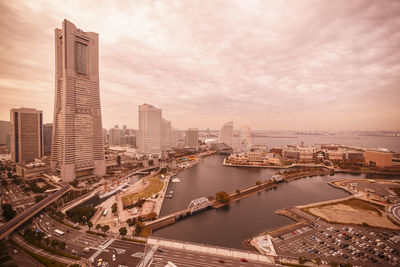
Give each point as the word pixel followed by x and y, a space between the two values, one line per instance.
pixel 352 211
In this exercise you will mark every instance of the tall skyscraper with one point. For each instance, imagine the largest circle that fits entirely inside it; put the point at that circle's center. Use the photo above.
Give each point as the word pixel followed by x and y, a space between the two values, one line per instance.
pixel 226 134
pixel 192 137
pixel 165 134
pixel 47 136
pixel 77 147
pixel 26 134
pixel 115 136
pixel 5 129
pixel 149 134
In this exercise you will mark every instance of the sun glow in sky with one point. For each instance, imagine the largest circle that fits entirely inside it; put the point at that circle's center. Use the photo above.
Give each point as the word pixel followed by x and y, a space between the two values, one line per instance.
pixel 301 65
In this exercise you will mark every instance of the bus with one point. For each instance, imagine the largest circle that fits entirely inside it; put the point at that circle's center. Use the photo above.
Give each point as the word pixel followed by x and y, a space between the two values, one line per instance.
pixel 59 232
pixel 105 212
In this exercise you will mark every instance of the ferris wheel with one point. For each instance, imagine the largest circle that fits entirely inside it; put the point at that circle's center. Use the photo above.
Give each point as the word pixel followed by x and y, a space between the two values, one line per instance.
pixel 245 139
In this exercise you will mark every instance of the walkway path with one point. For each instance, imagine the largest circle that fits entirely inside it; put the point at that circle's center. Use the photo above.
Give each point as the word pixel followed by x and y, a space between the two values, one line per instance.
pixel 214 250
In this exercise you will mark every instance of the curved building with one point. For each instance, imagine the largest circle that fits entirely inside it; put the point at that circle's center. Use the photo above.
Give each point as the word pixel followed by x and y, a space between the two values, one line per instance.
pixel 226 134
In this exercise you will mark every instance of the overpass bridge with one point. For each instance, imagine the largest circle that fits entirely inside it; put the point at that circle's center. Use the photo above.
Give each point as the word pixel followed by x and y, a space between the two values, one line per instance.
pixel 194 206
pixel 76 202
pixel 10 226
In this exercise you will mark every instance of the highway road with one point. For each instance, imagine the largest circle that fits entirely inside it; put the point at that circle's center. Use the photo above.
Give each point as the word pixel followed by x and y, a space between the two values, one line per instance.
pixel 13 224
pixel 188 258
pixel 395 210
pixel 124 253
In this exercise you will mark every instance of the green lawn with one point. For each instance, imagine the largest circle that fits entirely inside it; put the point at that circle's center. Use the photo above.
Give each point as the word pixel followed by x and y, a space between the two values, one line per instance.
pixel 154 187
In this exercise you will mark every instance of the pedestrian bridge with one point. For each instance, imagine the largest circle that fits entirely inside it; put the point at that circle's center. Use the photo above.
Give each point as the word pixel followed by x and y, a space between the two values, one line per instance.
pixel 199 204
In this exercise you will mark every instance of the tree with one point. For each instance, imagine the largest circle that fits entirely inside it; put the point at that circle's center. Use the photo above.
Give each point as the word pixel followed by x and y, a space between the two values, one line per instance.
pixel 28 233
pixel 237 191
pixel 62 245
pixel 54 243
pixel 47 241
pixel 114 208
pixel 123 231
pixel 90 224
pixel 74 183
pixel 8 212
pixel 98 226
pixel 105 228
pixel 39 236
pixel 151 215
pixel 333 264
pixel 302 260
pixel 138 228
pixel 318 261
pixel 140 219
pixel 258 183
pixel 222 196
pixel 60 215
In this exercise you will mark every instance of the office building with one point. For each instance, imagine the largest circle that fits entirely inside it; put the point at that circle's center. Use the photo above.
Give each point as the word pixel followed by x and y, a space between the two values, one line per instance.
pixel 192 138
pixel 377 158
pixel 5 129
pixel 165 134
pixel 26 134
pixel 226 134
pixel 149 133
pixel 128 140
pixel 115 135
pixel 47 136
pixel 77 147
pixel 174 137
pixel 105 136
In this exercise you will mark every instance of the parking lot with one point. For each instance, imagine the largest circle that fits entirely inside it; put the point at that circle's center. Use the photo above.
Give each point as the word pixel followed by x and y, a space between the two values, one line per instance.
pixel 356 245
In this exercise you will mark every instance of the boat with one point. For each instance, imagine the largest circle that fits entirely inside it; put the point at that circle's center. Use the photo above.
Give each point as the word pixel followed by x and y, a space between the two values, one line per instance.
pixel 170 195
pixel 116 189
pixel 176 180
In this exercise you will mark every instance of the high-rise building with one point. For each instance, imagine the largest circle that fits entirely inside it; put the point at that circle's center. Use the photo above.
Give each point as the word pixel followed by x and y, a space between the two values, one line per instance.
pixel 128 140
pixel 105 136
pixel 149 133
pixel 26 134
pixel 192 137
pixel 115 135
pixel 226 134
pixel 47 136
pixel 165 134
pixel 5 129
pixel 174 137
pixel 77 147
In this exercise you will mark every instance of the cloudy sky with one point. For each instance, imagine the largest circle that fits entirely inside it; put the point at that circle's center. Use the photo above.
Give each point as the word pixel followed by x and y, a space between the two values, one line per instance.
pixel 302 65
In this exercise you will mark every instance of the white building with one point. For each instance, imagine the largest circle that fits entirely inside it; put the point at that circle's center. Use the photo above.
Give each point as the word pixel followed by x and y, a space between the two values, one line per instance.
pixel 77 146
pixel 149 133
pixel 226 134
pixel 115 136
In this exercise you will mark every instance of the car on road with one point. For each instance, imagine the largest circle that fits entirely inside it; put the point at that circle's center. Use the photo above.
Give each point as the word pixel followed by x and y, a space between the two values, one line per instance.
pixel 221 261
pixel 160 250
pixel 113 257
pixel 243 260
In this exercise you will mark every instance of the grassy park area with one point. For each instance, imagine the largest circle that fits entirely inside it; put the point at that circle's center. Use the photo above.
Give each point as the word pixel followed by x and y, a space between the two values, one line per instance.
pixel 155 186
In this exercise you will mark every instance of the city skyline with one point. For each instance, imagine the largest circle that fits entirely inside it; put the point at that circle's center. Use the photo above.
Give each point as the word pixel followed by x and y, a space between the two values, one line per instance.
pixel 236 65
